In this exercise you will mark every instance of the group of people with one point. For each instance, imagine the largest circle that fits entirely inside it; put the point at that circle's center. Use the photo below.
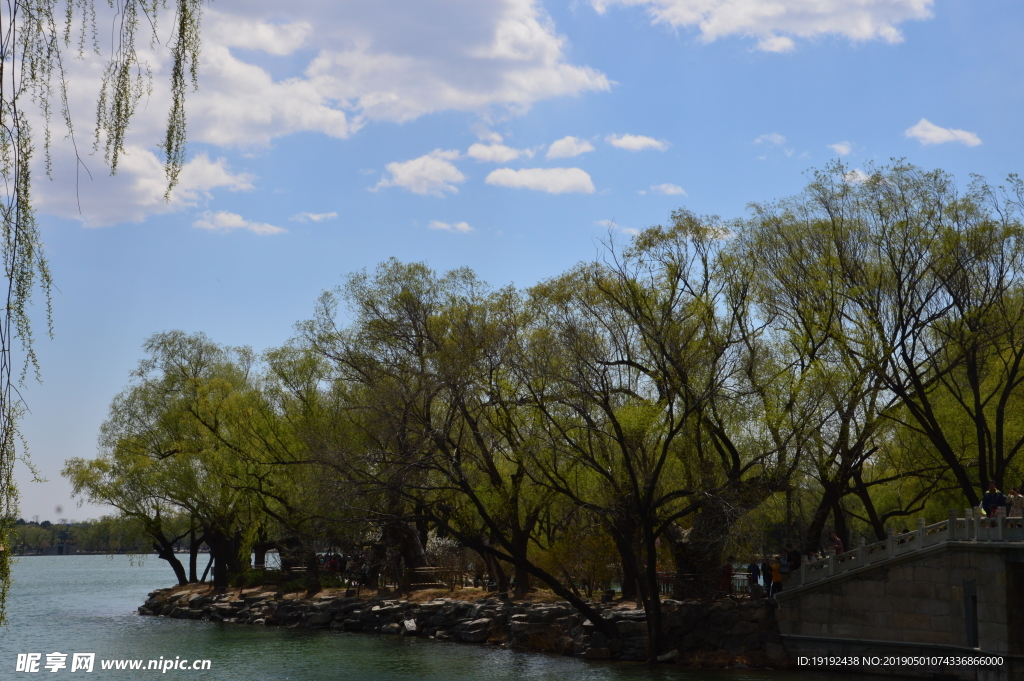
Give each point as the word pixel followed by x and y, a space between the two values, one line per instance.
pixel 768 577
pixel 765 578
pixel 995 503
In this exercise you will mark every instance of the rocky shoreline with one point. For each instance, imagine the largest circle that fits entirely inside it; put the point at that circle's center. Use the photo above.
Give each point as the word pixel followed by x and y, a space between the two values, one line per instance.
pixel 722 633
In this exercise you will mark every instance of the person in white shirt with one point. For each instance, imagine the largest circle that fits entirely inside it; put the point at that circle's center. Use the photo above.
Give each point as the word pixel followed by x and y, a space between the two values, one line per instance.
pixel 1014 504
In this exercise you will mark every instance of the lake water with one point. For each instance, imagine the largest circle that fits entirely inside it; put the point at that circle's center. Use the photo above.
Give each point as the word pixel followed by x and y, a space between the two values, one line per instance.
pixel 86 604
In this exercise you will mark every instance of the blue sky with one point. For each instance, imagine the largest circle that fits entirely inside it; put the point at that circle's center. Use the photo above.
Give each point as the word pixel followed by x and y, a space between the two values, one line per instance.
pixel 503 135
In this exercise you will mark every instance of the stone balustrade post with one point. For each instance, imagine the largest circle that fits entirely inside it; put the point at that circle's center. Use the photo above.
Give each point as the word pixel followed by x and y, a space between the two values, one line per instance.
pixel 951 525
pixel 968 523
pixel 920 533
pixel 803 572
pixel 999 526
pixel 890 545
pixel 860 551
pixel 831 564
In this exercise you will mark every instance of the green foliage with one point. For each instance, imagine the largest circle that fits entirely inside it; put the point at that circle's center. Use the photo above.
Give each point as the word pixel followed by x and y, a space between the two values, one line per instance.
pixel 106 535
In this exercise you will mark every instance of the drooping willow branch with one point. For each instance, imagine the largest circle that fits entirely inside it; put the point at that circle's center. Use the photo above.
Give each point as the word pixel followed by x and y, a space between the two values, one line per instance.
pixel 35 37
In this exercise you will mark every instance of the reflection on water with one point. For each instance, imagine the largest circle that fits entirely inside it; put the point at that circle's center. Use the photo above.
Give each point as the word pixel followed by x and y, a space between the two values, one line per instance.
pixel 87 604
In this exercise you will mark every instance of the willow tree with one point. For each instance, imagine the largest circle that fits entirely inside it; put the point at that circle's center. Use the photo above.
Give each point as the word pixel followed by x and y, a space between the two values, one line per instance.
pixel 643 377
pixel 794 267
pixel 174 445
pixel 36 36
pixel 932 284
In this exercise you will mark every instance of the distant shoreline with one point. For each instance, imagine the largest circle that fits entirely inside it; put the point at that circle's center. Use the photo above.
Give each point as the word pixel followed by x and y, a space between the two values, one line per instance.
pixel 99 553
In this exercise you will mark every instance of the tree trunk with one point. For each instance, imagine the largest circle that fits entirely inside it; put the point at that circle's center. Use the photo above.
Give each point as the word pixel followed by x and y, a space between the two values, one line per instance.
pixel 501 578
pixel 492 567
pixel 651 593
pixel 288 551
pixel 209 564
pixel 193 555
pixel 422 525
pixel 812 540
pixel 224 552
pixel 678 537
pixel 375 565
pixel 842 530
pixel 165 549
pixel 220 573
pixel 260 550
pixel 192 551
pixel 404 546
pixel 623 533
pixel 520 544
pixel 407 540
pixel 701 555
pixel 312 572
pixel 869 507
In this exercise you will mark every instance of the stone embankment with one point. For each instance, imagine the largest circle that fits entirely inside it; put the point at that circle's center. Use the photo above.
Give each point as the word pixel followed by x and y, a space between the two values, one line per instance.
pixel 720 633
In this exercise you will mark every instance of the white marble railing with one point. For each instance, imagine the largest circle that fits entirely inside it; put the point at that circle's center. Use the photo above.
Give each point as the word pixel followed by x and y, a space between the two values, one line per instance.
pixel 972 527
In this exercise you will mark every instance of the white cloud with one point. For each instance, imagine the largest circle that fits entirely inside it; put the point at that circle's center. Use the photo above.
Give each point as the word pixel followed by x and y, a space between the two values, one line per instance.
pixel 233 30
pixel 312 217
pixel 855 176
pixel 636 142
pixel 484 134
pixel 241 105
pixel 567 147
pixel 772 138
pixel 841 148
pixel 927 132
pixel 775 24
pixel 135 192
pixel 223 221
pixel 551 180
pixel 496 153
pixel 407 58
pixel 669 189
pixel 450 227
pixel 613 226
pixel 350 62
pixel 776 43
pixel 430 174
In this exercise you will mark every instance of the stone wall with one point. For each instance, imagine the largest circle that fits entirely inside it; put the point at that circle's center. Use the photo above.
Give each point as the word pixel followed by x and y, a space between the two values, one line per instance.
pixel 956 598
pixel 733 632
pixel 917 598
